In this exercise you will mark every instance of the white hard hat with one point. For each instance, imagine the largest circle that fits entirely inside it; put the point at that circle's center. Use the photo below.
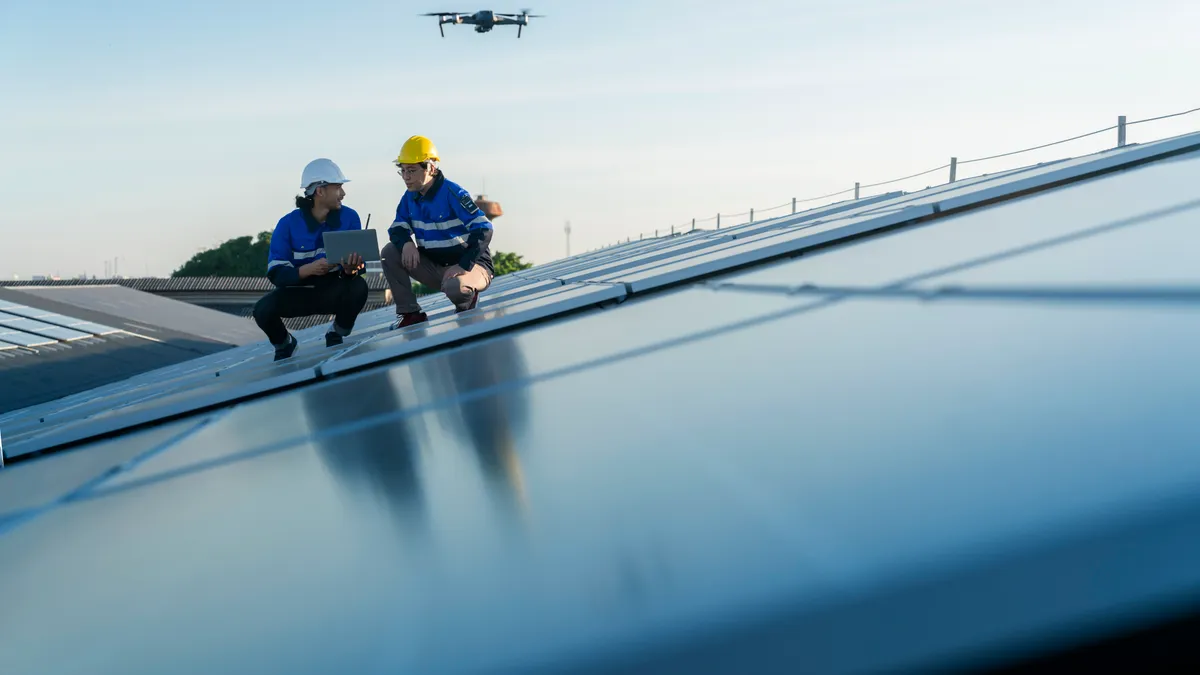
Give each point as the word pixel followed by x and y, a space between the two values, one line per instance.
pixel 320 172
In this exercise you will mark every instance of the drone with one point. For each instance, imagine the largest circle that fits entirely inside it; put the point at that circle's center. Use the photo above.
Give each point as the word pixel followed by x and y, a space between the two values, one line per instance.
pixel 484 20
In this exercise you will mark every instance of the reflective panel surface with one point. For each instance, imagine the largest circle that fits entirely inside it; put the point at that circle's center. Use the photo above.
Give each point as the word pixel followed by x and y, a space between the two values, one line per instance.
pixel 40 482
pixel 57 319
pixel 476 322
pixel 467 535
pixel 589 340
pixel 23 339
pixel 1041 226
pixel 759 247
pixel 39 327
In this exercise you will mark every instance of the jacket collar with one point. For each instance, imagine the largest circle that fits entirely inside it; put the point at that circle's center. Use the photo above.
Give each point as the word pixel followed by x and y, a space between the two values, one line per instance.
pixel 333 221
pixel 433 189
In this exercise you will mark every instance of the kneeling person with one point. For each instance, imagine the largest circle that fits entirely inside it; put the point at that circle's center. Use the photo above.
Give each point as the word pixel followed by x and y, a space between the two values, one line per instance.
pixel 306 282
pixel 440 237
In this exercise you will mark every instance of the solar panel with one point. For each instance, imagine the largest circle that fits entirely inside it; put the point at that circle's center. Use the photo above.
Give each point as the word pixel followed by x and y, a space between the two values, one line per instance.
pixel 39 327
pixel 468 451
pixel 717 440
pixel 57 319
pixel 117 411
pixel 23 339
pixel 759 247
pixel 523 310
pixel 634 267
pixel 32 485
pixel 1060 229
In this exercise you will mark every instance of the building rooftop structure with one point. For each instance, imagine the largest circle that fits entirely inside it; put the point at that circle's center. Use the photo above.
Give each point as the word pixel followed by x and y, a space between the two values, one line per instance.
pixel 231 295
pixel 61 340
pixel 914 432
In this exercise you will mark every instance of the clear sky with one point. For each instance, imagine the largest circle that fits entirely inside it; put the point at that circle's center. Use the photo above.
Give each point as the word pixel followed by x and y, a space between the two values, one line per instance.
pixel 151 130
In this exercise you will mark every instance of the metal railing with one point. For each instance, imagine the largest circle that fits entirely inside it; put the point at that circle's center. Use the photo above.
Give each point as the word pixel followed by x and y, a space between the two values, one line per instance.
pixel 953 165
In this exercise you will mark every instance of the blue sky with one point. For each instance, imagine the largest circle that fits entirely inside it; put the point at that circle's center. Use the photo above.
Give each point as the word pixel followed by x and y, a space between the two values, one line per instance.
pixel 151 130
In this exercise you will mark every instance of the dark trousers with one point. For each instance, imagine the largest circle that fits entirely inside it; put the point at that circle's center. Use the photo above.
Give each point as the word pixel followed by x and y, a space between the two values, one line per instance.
pixel 342 297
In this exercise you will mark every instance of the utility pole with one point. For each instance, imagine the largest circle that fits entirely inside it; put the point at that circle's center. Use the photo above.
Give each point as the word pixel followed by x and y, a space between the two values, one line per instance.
pixel 567 230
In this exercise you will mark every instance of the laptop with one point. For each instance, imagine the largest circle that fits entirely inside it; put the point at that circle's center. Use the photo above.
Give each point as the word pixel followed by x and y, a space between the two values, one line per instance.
pixel 340 244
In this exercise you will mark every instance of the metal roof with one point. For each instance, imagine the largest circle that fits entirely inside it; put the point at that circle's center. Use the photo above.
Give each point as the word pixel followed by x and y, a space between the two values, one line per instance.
pixel 941 429
pixel 59 341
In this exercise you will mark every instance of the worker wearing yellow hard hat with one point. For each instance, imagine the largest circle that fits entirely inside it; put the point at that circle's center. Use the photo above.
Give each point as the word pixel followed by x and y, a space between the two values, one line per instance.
pixel 416 150
pixel 440 237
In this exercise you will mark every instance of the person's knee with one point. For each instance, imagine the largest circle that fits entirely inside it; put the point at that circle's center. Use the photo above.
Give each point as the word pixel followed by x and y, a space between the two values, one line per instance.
pixel 454 290
pixel 265 308
pixel 389 252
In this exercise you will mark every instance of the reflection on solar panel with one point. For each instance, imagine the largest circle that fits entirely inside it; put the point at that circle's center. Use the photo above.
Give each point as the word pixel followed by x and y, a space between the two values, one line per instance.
pixel 57 319
pixel 908 424
pixel 600 277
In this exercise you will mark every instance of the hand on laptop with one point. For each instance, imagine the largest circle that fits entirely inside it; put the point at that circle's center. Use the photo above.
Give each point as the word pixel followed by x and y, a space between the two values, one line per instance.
pixel 352 264
pixel 316 268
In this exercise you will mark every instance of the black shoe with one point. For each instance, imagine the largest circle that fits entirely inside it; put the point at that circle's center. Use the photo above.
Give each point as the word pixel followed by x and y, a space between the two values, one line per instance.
pixel 332 339
pixel 286 349
pixel 474 301
pixel 408 319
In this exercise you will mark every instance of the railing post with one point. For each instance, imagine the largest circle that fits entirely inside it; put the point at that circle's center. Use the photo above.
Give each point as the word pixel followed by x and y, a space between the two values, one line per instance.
pixel 718 221
pixel 856 190
pixel 793 205
pixel 1121 131
pixel 752 215
pixel 672 230
pixel 693 224
pixel 953 168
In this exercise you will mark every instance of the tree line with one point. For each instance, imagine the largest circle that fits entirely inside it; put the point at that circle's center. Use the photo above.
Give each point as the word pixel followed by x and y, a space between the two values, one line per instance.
pixel 247 257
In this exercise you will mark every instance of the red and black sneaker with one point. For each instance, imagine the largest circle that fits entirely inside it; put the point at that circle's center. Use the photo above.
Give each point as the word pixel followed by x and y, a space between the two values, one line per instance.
pixel 408 319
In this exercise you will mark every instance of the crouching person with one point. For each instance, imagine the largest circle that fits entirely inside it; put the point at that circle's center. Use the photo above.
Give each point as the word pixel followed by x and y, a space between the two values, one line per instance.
pixel 306 282
pixel 440 237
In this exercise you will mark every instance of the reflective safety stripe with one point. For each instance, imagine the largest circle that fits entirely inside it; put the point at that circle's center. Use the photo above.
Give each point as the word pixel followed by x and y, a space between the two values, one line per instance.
pixel 305 255
pixel 479 220
pixel 277 263
pixel 451 224
pixel 444 243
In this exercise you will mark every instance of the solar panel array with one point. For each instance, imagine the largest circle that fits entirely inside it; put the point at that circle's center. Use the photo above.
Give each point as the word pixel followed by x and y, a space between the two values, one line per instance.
pixel 611 275
pixel 22 326
pixel 899 422
pixel 53 318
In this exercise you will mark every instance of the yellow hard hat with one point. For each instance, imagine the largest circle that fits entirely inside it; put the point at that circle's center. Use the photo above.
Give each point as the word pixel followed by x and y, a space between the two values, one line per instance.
pixel 416 150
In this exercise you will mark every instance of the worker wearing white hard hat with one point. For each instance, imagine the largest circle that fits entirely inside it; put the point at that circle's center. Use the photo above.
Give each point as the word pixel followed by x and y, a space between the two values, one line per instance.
pixel 306 282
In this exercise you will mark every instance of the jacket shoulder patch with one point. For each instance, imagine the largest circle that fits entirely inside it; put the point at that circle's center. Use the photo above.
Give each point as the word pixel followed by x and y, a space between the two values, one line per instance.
pixel 467 202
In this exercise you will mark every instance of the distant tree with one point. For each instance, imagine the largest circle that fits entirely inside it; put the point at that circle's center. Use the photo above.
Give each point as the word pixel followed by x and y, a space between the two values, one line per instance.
pixel 506 262
pixel 237 257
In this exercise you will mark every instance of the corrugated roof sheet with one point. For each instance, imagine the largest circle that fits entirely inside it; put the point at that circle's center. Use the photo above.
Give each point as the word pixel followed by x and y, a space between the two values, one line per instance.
pixel 155 332
pixel 178 284
pixel 306 322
